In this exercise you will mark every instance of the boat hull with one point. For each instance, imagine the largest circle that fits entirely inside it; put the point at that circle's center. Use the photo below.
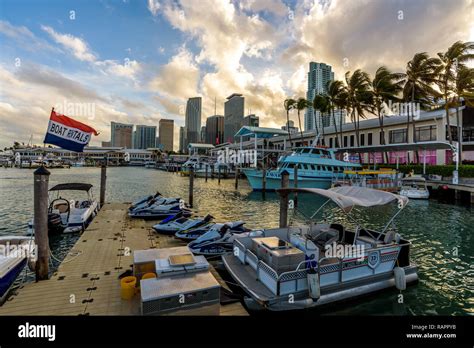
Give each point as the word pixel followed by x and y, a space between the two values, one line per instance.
pixel 273 180
pixel 7 280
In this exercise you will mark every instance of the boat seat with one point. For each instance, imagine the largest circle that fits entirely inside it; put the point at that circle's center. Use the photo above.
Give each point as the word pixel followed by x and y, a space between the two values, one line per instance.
pixel 326 238
pixel 340 229
pixel 371 241
pixel 62 207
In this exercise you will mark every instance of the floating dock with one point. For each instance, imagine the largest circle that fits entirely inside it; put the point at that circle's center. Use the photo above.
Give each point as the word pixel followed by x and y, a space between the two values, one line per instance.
pixel 87 280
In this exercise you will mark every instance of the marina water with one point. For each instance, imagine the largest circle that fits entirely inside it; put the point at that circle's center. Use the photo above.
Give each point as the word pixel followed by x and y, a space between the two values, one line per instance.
pixel 442 234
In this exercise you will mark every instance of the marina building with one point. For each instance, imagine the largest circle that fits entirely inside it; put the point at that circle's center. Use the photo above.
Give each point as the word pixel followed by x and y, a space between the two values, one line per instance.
pixel 193 120
pixel 166 134
pixel 215 130
pixel 121 135
pixel 233 116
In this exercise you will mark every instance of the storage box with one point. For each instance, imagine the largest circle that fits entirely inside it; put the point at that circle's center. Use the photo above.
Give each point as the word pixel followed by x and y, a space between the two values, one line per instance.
pixel 164 268
pixel 144 260
pixel 191 294
pixel 276 253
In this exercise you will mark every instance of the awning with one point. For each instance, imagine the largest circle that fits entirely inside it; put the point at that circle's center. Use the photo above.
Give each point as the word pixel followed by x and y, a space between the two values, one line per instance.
pixel 71 186
pixel 424 145
pixel 260 132
pixel 347 197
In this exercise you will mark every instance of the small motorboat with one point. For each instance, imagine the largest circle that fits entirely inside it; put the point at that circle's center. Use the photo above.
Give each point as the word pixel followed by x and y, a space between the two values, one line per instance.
pixel 195 233
pixel 414 187
pixel 317 263
pixel 181 225
pixel 15 251
pixel 218 240
pixel 160 212
pixel 69 216
pixel 156 199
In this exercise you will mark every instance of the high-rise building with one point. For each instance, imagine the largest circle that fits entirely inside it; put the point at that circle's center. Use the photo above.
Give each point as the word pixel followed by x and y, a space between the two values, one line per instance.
pixel 215 129
pixel 291 126
pixel 166 134
pixel 233 116
pixel 121 134
pixel 193 120
pixel 202 138
pixel 251 120
pixel 318 77
pixel 182 140
pixel 145 137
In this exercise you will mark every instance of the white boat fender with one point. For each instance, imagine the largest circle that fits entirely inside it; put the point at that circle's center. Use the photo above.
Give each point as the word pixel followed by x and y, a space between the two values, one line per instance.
pixel 313 284
pixel 400 278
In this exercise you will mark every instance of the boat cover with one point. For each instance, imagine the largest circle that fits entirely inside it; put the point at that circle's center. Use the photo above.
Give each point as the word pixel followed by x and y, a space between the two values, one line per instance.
pixel 346 197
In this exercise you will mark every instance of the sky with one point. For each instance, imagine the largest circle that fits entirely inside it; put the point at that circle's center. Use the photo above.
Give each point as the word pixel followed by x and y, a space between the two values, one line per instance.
pixel 138 61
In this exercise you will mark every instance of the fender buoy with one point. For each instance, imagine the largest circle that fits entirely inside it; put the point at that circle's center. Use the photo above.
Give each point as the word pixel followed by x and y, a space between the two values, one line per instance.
pixel 400 278
pixel 313 284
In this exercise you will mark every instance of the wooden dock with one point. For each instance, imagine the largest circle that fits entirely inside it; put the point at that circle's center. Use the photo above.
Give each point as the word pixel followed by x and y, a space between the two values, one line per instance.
pixel 86 282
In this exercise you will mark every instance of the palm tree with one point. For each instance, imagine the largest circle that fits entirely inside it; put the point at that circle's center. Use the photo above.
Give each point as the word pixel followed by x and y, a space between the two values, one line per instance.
pixel 321 104
pixel 289 105
pixel 334 93
pixel 463 90
pixel 452 60
pixel 358 97
pixel 385 87
pixel 301 104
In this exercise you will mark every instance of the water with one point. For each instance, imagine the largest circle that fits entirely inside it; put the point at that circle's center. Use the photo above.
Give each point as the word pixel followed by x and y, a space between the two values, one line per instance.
pixel 441 234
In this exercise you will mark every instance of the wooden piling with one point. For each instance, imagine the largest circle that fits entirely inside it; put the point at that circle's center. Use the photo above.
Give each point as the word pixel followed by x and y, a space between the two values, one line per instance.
pixel 103 183
pixel 219 175
pixel 40 221
pixel 207 169
pixel 236 177
pixel 295 183
pixel 191 185
pixel 285 183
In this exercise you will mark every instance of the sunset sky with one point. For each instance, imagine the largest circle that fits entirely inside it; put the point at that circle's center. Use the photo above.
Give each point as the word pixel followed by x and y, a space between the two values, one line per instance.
pixel 138 61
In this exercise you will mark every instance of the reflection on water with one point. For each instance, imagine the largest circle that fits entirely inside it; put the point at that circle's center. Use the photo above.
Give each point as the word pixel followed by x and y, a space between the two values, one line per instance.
pixel 441 234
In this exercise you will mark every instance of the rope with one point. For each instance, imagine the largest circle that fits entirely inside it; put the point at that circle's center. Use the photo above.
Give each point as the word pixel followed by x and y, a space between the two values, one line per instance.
pixel 78 253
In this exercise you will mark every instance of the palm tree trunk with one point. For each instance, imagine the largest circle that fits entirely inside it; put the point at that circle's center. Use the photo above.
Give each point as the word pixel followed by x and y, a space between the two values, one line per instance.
pixel 288 126
pixel 335 125
pixel 316 125
pixel 459 134
pixel 301 129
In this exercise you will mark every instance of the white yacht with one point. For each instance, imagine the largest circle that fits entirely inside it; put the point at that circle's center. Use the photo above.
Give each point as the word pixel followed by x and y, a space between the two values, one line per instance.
pixel 414 187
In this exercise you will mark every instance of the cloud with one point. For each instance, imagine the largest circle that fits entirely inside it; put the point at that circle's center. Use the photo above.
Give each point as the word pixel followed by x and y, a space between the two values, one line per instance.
pixel 75 45
pixel 24 37
pixel 153 7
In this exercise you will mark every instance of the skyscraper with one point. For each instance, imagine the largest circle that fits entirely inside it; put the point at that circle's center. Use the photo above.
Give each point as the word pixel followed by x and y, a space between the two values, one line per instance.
pixel 121 134
pixel 145 137
pixel 318 76
pixel 182 140
pixel 251 120
pixel 215 129
pixel 166 134
pixel 193 120
pixel 233 116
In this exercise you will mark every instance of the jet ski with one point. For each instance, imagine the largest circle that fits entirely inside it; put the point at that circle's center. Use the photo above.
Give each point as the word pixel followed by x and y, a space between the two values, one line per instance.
pixel 196 232
pixel 218 240
pixel 159 212
pixel 148 201
pixel 182 224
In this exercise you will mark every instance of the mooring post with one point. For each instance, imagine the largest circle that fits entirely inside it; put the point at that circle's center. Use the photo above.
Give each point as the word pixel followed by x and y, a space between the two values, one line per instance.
pixel 103 182
pixel 285 181
pixel 40 221
pixel 236 177
pixel 207 169
pixel 191 185
pixel 295 183
pixel 219 174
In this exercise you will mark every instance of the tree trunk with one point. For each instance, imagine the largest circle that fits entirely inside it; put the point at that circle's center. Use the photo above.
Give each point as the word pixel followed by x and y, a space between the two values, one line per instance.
pixel 459 134
pixel 335 125
pixel 301 129
pixel 288 125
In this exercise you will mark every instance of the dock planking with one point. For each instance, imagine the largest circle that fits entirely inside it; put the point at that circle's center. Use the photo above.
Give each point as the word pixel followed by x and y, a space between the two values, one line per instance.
pixel 86 282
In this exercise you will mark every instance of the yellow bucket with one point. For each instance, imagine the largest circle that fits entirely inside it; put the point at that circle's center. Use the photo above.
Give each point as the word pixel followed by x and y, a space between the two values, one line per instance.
pixel 127 287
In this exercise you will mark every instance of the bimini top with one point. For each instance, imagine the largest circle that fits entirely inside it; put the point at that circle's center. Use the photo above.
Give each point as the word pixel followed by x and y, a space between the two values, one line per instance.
pixel 71 186
pixel 347 197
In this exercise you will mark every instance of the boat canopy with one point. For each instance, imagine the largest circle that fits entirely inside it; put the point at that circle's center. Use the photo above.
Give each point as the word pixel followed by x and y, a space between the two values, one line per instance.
pixel 414 178
pixel 71 186
pixel 347 197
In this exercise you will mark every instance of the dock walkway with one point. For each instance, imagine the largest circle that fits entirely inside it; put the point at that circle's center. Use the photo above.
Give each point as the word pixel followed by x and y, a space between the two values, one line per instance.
pixel 86 282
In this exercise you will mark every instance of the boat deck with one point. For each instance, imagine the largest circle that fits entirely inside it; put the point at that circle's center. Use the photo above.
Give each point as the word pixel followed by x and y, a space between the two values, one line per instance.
pixel 86 282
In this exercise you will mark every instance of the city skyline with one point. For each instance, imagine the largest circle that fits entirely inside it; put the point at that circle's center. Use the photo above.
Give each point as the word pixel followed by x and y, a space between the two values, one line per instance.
pixel 62 54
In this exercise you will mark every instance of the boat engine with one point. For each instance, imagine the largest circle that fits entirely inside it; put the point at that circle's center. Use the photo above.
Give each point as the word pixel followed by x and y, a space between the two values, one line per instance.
pixel 55 224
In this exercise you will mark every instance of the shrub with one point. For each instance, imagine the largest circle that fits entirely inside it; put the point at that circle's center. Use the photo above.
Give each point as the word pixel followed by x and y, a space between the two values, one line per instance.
pixel 465 170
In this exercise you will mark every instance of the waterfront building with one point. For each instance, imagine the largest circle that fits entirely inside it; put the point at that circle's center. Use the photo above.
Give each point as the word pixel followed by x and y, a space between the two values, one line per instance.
pixel 145 137
pixel 291 125
pixel 193 120
pixel 202 138
pixel 106 143
pixel 319 75
pixel 251 120
pixel 121 135
pixel 215 130
pixel 166 134
pixel 182 140
pixel 233 116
